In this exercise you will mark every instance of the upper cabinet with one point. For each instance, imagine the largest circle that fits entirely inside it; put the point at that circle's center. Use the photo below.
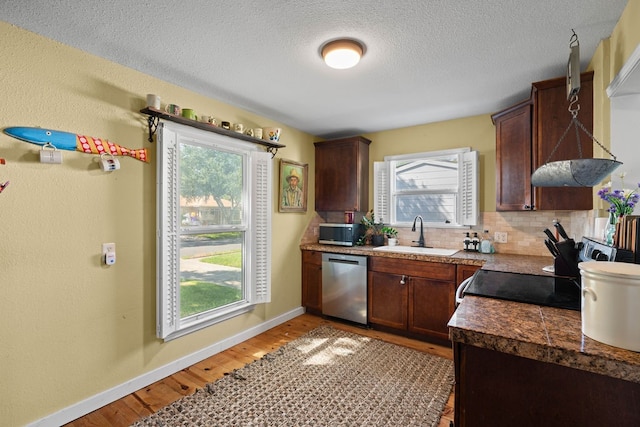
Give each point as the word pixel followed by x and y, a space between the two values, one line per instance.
pixel 342 174
pixel 526 136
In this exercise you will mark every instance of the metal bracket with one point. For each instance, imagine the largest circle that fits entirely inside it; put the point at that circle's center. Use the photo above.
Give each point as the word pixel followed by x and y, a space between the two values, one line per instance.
pixel 273 151
pixel 153 122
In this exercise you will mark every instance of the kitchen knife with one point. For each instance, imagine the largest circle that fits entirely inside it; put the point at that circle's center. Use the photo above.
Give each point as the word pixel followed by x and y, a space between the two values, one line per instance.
pixel 550 235
pixel 551 247
pixel 561 230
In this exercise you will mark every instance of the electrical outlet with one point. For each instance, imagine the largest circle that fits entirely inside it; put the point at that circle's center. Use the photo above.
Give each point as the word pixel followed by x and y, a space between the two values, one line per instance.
pixel 109 253
pixel 500 237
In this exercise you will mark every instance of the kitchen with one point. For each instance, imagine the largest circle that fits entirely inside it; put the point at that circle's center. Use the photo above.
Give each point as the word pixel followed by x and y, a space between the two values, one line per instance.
pixel 75 322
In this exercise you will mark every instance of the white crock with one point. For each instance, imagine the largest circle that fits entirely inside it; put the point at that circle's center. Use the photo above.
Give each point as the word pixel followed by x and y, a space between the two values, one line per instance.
pixel 611 303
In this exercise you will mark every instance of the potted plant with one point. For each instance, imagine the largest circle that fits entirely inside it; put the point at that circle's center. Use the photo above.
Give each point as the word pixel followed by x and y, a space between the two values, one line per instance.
pixel 373 230
pixel 392 235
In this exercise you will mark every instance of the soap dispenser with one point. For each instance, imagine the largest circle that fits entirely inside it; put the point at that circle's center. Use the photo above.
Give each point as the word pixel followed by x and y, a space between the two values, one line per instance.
pixel 486 246
pixel 467 242
pixel 475 242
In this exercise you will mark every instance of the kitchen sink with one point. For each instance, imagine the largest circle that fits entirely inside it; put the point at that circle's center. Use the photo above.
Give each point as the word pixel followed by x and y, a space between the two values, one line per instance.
pixel 417 250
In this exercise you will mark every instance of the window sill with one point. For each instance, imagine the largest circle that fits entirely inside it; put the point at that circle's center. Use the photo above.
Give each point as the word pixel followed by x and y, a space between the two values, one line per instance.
pixel 201 322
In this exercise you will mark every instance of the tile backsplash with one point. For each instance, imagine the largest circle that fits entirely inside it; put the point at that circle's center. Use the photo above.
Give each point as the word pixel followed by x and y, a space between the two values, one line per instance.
pixel 524 230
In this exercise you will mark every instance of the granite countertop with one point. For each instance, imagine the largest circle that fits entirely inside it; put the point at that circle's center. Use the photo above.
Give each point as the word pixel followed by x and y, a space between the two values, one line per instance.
pixel 497 261
pixel 546 334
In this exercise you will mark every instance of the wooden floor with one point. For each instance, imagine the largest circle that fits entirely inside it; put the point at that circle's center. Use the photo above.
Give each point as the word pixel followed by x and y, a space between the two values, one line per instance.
pixel 150 399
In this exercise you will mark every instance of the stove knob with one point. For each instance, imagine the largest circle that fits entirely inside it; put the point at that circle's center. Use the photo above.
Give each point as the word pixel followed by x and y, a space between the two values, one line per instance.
pixel 598 255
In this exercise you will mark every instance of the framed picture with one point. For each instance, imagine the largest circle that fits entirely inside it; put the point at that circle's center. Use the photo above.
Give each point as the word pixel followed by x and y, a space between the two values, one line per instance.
pixel 293 186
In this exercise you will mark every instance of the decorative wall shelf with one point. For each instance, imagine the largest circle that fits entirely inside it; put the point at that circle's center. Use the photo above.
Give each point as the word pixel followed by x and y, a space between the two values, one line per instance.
pixel 156 115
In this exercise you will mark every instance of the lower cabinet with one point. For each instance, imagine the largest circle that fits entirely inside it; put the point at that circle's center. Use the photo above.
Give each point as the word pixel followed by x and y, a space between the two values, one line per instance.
pixel 312 281
pixel 465 271
pixel 497 389
pixel 412 296
pixel 388 296
pixel 415 297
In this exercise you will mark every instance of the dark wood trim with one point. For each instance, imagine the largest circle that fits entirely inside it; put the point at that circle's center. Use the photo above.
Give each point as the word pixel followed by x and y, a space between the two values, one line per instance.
pixel 204 126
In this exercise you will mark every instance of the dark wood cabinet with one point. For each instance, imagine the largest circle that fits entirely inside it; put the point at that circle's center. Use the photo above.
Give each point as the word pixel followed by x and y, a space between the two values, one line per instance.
pixel 312 281
pixel 464 272
pixel 413 296
pixel 513 157
pixel 498 389
pixel 431 305
pixel 526 136
pixel 342 174
pixel 388 299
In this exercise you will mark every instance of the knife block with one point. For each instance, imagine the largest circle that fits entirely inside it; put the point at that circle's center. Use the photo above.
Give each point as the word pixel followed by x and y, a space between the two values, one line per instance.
pixel 566 263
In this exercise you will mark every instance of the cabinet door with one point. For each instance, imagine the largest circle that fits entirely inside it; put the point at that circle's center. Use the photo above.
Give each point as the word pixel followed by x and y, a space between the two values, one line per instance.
pixel 464 272
pixel 551 118
pixel 342 175
pixel 431 305
pixel 312 281
pixel 513 158
pixel 387 299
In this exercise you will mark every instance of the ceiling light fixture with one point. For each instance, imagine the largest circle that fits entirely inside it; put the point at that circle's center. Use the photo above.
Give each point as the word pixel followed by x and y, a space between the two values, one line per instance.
pixel 342 54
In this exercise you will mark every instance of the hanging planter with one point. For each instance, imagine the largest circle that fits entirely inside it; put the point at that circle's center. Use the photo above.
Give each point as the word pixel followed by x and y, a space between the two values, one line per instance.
pixel 574 172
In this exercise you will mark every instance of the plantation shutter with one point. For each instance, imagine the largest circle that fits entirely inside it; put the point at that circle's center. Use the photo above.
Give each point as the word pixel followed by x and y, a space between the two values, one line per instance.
pixel 261 243
pixel 469 194
pixel 167 234
pixel 381 192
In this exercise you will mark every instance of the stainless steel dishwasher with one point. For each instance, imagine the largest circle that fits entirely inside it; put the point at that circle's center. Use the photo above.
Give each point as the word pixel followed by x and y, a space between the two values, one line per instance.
pixel 344 287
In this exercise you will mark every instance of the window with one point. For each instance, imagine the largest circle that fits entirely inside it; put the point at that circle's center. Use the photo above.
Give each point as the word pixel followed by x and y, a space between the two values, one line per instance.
pixel 213 228
pixel 440 186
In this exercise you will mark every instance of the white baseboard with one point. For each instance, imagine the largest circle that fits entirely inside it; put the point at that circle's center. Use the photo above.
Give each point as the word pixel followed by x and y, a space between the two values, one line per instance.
pixel 99 400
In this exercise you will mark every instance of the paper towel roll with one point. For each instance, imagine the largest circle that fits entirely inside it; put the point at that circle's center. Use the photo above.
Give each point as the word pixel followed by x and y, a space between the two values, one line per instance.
pixel 599 226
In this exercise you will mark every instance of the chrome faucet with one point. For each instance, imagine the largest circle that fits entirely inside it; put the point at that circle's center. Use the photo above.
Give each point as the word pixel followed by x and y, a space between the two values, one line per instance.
pixel 420 240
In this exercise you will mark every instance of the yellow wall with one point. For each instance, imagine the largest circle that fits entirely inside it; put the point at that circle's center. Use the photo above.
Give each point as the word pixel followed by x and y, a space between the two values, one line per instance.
pixel 70 327
pixel 476 132
pixel 610 56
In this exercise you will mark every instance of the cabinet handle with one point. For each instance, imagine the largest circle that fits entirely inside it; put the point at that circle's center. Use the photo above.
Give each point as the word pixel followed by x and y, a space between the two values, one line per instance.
pixel 403 279
pixel 529 207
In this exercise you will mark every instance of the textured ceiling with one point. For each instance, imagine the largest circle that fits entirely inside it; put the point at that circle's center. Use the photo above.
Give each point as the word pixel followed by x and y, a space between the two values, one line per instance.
pixel 425 60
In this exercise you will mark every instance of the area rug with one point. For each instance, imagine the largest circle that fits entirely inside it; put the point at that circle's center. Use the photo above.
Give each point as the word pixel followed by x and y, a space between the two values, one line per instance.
pixel 327 377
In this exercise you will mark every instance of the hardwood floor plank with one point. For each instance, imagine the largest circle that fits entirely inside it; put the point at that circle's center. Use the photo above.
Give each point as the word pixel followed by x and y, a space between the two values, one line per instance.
pixel 214 367
pixel 161 393
pixel 150 399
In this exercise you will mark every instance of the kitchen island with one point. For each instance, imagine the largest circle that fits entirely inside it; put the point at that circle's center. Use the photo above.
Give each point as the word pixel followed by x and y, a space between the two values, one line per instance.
pixel 529 365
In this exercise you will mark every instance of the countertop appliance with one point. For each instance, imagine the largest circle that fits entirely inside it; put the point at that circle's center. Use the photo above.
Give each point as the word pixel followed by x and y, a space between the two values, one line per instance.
pixel 344 287
pixel 340 234
pixel 552 291
pixel 597 250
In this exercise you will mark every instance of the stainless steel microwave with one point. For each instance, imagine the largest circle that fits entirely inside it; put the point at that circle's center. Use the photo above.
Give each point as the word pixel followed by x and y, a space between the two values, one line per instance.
pixel 340 234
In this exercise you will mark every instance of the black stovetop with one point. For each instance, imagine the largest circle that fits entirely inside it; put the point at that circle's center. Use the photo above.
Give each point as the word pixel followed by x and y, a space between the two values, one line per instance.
pixel 551 291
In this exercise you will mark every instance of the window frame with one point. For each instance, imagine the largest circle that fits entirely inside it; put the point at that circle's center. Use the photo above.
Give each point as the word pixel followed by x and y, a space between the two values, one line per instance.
pixel 466 192
pixel 255 224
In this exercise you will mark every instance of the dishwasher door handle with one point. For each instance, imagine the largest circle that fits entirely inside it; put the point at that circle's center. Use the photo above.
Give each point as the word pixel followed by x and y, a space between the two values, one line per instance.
pixel 344 261
pixel 461 288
